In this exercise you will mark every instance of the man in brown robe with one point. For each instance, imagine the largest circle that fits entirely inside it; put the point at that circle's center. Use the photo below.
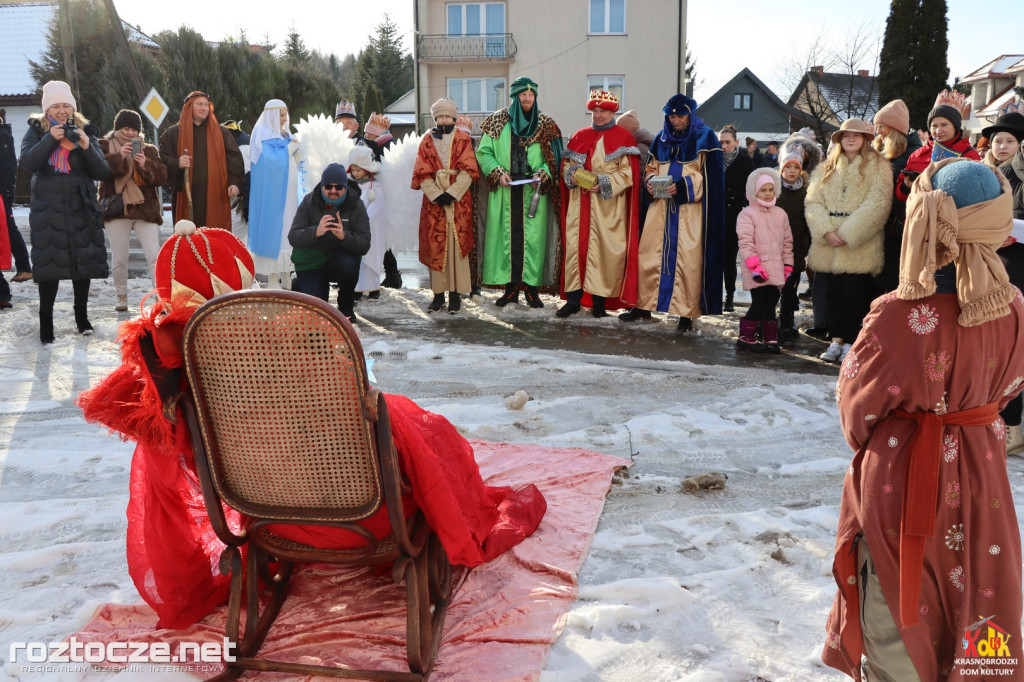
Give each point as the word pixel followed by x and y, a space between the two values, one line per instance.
pixel 928 552
pixel 202 160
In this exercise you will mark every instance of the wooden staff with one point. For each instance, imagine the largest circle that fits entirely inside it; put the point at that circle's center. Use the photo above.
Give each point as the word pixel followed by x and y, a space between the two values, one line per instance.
pixel 188 189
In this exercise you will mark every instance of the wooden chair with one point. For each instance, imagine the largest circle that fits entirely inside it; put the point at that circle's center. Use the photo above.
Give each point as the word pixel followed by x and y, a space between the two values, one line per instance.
pixel 287 431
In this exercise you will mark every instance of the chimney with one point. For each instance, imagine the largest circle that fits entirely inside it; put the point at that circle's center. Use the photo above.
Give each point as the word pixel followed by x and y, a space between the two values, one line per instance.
pixel 864 72
pixel 820 70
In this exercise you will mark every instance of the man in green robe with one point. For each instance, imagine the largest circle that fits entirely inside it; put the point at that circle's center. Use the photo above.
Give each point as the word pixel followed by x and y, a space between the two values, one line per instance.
pixel 519 143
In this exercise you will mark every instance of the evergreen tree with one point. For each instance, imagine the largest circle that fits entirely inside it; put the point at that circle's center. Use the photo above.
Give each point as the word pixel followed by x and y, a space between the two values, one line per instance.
pixel 371 102
pixel 189 63
pixel 913 64
pixel 294 49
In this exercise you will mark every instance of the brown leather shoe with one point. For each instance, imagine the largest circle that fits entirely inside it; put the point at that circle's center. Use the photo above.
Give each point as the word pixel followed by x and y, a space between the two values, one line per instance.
pixel 22 277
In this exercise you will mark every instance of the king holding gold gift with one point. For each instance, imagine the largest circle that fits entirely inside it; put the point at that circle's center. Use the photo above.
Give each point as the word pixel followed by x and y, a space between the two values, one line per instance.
pixel 600 225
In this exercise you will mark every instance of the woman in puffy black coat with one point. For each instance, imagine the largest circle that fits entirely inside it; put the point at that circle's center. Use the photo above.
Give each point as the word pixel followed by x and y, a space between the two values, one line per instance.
pixel 65 221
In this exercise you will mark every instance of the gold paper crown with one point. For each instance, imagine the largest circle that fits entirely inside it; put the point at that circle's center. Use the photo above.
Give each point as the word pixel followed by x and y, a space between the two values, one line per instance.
pixel 345 108
pixel 600 98
pixel 1015 105
pixel 952 98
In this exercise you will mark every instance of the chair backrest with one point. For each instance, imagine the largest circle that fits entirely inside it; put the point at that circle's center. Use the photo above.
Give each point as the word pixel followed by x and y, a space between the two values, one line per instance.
pixel 278 380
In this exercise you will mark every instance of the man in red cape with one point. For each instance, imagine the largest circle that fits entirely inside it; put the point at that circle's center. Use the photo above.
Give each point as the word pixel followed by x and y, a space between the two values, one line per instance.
pixel 173 552
pixel 600 213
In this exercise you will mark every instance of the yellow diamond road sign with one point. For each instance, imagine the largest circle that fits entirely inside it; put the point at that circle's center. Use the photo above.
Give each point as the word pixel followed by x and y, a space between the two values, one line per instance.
pixel 154 107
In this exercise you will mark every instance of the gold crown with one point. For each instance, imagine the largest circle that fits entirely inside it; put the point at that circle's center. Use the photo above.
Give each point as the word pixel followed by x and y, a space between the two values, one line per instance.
pixel 952 98
pixel 600 97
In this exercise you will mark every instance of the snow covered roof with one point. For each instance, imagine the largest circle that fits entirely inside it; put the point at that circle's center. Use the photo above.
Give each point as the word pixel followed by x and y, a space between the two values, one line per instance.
pixel 998 67
pixel 23 30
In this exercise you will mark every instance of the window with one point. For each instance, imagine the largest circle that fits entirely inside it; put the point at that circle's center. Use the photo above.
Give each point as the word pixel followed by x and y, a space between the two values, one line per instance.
pixel 742 102
pixel 613 84
pixel 479 18
pixel 477 94
pixel 476 18
pixel 607 16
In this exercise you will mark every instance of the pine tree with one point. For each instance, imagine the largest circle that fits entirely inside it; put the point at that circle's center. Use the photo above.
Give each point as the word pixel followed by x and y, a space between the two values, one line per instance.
pixel 913 64
pixel 189 63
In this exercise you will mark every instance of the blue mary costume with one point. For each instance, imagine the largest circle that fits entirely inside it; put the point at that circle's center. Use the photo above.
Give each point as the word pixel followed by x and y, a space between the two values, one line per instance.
pixel 273 196
pixel 681 246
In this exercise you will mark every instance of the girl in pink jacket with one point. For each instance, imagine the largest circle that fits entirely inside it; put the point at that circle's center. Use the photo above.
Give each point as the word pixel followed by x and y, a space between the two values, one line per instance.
pixel 766 249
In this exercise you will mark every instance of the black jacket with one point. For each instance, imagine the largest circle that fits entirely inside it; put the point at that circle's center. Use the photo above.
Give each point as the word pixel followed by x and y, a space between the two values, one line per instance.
pixel 302 234
pixel 8 164
pixel 736 188
pixel 65 220
pixel 1014 173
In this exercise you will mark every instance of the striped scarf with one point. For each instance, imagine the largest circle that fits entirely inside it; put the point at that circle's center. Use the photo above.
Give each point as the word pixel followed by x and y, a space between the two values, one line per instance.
pixel 60 159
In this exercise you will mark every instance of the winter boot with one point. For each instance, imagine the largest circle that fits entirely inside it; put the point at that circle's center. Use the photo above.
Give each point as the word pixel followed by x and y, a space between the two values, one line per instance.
pixel 511 295
pixel 533 297
pixel 436 304
pixel 634 314
pixel 45 325
pixel 748 337
pixel 727 306
pixel 787 330
pixel 597 309
pixel 454 302
pixel 685 324
pixel 770 336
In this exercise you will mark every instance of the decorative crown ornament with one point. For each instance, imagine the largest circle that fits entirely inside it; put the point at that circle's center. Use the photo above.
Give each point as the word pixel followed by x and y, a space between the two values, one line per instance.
pixel 345 108
pixel 377 124
pixel 952 98
pixel 1014 105
pixel 602 99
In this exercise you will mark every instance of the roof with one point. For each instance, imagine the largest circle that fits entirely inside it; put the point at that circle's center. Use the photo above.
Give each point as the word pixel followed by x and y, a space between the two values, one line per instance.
pixel 990 112
pixel 23 37
pixel 997 68
pixel 23 29
pixel 849 95
pixel 746 73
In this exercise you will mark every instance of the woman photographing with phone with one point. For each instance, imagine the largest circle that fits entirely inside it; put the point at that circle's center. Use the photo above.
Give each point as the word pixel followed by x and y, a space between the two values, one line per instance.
pixel 329 236
pixel 129 199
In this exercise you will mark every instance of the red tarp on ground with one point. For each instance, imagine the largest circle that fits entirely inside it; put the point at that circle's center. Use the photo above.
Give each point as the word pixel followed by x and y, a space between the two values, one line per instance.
pixel 504 614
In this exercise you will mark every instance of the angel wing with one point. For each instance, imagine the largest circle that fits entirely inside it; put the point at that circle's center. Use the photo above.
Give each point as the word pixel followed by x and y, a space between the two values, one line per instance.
pixel 321 142
pixel 401 201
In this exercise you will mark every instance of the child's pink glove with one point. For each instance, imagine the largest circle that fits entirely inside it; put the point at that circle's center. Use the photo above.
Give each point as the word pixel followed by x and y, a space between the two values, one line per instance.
pixel 787 270
pixel 753 264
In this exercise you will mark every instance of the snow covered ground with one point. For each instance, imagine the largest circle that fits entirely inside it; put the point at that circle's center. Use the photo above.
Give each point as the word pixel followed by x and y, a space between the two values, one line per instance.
pixel 723 585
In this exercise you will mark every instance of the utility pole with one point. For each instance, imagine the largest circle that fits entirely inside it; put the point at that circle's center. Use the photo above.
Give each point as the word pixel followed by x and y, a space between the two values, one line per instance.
pixel 67 40
pixel 126 52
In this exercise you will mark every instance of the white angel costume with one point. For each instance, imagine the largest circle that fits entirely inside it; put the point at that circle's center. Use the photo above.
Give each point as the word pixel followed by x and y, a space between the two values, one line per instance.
pixel 273 197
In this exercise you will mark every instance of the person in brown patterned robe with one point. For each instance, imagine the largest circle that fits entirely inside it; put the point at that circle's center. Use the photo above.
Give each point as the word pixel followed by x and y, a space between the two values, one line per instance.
pixel 445 169
pixel 928 553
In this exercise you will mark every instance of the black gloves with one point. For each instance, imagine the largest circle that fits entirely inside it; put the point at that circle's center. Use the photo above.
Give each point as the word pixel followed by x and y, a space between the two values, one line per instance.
pixel 444 199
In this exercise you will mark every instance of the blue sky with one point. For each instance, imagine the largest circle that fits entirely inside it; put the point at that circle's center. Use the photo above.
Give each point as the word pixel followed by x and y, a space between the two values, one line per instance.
pixel 768 37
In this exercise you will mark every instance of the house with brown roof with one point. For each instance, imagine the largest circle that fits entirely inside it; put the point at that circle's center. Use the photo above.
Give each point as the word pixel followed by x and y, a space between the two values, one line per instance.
pixel 824 100
pixel 992 86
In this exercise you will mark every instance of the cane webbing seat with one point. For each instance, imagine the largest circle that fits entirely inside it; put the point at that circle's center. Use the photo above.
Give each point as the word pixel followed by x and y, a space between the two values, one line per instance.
pixel 287 431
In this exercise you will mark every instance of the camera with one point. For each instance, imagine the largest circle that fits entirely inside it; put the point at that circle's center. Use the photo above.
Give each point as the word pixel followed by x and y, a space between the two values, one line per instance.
pixel 71 133
pixel 136 145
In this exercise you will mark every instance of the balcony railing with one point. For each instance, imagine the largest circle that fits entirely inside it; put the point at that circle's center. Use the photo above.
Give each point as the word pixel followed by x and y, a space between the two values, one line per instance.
pixel 498 47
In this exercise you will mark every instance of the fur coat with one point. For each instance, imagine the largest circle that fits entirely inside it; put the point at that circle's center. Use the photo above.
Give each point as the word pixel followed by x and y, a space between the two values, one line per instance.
pixel 855 206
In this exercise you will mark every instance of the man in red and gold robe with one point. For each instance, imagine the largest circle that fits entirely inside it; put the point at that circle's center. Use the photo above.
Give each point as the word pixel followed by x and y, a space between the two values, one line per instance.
pixel 445 168
pixel 600 225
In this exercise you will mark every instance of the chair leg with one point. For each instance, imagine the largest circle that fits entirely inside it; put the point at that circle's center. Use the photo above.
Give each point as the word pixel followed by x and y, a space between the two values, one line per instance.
pixel 428 587
pixel 257 624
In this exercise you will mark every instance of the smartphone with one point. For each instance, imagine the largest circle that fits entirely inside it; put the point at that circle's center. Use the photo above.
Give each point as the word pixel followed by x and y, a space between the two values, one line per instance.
pixel 332 210
pixel 136 145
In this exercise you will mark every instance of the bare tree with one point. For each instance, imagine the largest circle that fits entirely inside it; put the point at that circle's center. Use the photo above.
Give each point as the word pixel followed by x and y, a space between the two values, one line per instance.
pixel 833 81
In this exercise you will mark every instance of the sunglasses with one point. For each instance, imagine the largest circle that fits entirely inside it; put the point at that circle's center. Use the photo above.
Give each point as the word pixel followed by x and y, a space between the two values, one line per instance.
pixel 331 185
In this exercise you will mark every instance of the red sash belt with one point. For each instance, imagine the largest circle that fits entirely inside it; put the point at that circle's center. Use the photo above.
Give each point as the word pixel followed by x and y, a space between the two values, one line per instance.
pixel 921 494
